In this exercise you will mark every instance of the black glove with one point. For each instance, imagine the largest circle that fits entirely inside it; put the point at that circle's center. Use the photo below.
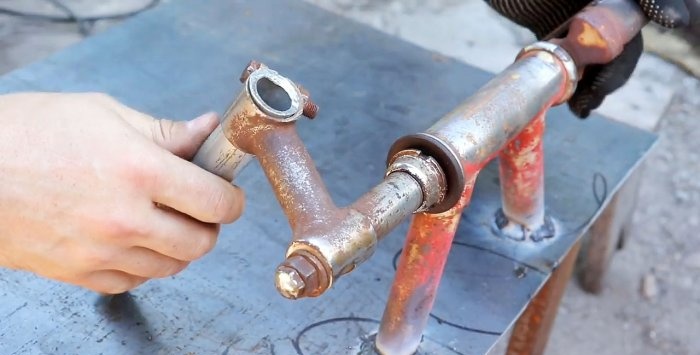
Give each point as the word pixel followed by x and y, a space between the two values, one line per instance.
pixel 544 16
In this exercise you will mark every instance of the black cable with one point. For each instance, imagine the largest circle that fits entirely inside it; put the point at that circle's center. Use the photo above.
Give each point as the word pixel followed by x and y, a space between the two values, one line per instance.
pixel 83 26
pixel 84 22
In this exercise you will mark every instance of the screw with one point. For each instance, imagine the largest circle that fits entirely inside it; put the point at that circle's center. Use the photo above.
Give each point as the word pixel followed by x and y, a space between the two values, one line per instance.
pixel 310 108
pixel 252 66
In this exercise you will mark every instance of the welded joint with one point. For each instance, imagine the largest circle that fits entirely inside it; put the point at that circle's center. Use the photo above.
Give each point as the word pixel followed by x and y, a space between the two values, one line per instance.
pixel 550 52
pixel 507 228
pixel 426 171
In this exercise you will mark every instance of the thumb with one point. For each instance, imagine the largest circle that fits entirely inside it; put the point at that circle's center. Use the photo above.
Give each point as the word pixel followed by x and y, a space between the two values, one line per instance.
pixel 183 138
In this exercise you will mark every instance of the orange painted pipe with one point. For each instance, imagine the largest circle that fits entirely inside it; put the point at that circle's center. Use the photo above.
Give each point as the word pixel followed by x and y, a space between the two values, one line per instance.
pixel 417 278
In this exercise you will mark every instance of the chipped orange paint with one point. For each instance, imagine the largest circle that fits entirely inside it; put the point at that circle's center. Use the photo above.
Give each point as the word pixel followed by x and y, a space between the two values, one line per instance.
pixel 418 275
pixel 590 37
pixel 521 166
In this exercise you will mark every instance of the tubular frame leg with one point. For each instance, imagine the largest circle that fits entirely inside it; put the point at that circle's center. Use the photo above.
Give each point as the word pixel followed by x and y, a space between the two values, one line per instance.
pixel 531 332
pixel 417 278
pixel 606 234
pixel 521 170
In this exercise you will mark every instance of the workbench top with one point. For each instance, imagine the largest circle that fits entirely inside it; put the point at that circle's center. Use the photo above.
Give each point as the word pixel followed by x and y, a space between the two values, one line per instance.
pixel 184 58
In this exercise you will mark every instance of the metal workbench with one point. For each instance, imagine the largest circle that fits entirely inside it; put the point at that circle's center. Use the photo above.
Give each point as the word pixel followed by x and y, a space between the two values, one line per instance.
pixel 184 58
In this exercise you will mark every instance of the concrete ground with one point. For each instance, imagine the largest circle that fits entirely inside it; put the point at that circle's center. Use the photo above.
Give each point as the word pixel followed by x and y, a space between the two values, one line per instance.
pixel 651 301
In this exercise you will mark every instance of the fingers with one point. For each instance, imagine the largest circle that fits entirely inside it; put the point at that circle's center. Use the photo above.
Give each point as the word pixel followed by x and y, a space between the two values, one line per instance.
pixel 111 282
pixel 183 138
pixel 187 188
pixel 176 236
pixel 142 262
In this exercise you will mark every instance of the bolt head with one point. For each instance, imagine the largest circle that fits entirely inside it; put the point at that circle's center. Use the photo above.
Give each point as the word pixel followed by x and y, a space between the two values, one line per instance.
pixel 289 282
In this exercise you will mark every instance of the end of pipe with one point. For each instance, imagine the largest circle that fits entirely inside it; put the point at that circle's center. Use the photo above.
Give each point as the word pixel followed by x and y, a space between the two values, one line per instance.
pixel 448 161
pixel 562 57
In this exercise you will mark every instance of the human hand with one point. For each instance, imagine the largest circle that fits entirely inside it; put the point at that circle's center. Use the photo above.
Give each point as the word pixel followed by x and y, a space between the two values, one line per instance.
pixel 544 16
pixel 81 178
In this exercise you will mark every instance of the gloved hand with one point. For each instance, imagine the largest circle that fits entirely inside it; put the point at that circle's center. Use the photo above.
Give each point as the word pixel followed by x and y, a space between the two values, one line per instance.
pixel 544 16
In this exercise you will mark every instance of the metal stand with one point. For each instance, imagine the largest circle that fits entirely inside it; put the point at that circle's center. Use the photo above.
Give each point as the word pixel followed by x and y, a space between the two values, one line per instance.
pixel 532 330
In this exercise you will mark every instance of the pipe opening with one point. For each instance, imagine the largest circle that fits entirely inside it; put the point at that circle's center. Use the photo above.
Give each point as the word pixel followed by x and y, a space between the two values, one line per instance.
pixel 273 95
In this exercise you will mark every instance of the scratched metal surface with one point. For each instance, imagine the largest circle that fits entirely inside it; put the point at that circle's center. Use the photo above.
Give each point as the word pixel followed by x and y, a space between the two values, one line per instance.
pixel 183 59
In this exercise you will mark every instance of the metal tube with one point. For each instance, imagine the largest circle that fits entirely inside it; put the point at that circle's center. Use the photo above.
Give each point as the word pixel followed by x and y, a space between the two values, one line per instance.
pixel 417 278
pixel 386 205
pixel 521 168
pixel 322 252
pixel 484 123
pixel 598 34
pixel 294 178
pixel 218 156
pixel 531 331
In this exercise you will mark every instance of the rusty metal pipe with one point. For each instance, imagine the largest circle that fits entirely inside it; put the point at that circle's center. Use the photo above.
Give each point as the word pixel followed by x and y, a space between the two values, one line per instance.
pixel 327 241
pixel 473 133
pixel 322 252
pixel 330 241
pixel 598 33
pixel 417 278
pixel 295 180
pixel 390 202
pixel 521 169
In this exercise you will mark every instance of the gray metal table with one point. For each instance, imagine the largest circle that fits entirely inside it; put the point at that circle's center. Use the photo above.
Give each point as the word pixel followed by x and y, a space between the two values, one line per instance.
pixel 184 58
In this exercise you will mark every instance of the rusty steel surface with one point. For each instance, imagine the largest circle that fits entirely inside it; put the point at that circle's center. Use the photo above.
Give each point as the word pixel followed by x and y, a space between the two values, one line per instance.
pixel 607 235
pixel 327 241
pixel 483 124
pixel 226 302
pixel 504 118
pixel 521 172
pixel 598 34
pixel 417 278
pixel 531 331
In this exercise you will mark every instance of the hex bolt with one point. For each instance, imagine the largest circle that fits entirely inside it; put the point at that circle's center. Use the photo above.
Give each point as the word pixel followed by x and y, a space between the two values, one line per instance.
pixel 310 107
pixel 300 276
pixel 289 282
